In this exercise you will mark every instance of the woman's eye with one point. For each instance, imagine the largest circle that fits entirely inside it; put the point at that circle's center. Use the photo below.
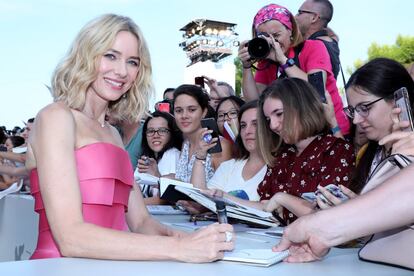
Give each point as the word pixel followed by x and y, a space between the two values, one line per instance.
pixel 133 63
pixel 242 126
pixel 110 56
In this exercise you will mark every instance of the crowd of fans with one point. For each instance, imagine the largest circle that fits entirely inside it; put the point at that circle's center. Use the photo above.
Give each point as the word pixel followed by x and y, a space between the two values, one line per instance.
pixel 278 139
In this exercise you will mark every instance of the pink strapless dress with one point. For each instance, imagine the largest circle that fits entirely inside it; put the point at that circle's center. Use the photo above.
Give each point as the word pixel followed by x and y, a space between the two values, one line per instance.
pixel 106 177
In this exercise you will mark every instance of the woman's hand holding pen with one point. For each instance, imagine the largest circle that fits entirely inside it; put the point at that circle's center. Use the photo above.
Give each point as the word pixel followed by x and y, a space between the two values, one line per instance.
pixel 206 245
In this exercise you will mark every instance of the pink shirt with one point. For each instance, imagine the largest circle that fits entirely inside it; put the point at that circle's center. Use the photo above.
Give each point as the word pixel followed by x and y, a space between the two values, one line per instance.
pixel 313 56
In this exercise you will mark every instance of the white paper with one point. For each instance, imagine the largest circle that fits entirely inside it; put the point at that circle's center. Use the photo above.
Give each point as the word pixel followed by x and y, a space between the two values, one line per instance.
pixel 165 210
pixel 260 257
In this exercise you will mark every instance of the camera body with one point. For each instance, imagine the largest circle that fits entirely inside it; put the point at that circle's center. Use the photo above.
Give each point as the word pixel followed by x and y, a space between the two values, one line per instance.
pixel 258 47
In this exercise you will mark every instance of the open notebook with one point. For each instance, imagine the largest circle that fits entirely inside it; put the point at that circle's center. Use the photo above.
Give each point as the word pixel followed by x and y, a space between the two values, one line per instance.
pixel 258 257
pixel 234 209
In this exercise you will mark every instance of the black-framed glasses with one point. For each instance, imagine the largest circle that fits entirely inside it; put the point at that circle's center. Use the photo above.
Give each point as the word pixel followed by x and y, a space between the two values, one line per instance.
pixel 305 11
pixel 162 131
pixel 362 109
pixel 232 114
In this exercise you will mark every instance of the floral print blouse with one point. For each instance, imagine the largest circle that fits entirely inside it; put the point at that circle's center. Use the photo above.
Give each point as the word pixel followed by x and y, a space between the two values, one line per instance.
pixel 184 167
pixel 327 159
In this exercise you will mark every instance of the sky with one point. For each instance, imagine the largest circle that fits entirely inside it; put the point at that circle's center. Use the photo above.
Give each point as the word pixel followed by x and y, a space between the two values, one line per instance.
pixel 35 35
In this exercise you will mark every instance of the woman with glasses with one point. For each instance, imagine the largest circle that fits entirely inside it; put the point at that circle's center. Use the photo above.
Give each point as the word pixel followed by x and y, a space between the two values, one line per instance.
pixel 228 111
pixel 370 92
pixel 288 56
pixel 161 144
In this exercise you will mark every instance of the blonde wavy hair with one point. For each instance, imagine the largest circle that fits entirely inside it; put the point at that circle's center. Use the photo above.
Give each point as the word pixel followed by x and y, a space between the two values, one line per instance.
pixel 78 70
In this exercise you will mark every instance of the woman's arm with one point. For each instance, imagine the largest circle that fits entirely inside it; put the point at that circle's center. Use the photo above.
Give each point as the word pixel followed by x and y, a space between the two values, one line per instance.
pixel 198 177
pixel 60 190
pixel 294 204
pixel 251 89
pixel 13 171
pixel 140 221
pixel 370 213
pixel 15 157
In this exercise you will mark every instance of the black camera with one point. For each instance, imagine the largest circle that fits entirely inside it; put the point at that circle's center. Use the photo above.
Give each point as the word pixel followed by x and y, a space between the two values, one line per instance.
pixel 258 48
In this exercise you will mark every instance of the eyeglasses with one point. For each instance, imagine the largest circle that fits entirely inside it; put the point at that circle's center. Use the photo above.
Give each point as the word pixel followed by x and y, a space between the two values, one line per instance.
pixel 162 131
pixel 362 109
pixel 305 11
pixel 310 12
pixel 232 114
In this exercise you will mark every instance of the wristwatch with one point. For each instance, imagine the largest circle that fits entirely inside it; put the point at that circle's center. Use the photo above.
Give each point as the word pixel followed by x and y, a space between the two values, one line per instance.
pixel 289 63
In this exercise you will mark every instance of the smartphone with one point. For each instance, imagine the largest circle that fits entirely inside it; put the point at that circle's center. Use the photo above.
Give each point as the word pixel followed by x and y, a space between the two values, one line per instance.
pixel 199 81
pixel 335 190
pixel 211 124
pixel 164 107
pixel 402 101
pixel 316 80
pixel 310 196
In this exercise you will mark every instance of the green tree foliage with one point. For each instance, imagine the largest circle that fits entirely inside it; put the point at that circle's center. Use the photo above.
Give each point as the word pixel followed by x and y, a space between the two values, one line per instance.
pixel 402 51
pixel 239 75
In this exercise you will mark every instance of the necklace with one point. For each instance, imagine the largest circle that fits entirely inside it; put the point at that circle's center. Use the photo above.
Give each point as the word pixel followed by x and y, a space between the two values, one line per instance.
pixel 96 120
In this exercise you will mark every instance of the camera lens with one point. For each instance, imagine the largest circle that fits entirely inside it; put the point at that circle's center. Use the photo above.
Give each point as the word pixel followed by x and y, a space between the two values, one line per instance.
pixel 258 48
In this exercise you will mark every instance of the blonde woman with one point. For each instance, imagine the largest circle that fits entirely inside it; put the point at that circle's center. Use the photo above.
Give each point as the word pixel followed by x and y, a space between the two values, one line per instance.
pixel 82 180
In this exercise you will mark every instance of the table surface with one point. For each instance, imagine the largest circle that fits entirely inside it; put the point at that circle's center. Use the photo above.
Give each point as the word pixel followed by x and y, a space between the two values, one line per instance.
pixel 337 263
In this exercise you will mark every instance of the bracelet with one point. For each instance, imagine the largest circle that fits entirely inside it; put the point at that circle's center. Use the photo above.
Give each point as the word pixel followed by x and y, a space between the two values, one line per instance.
pixel 202 159
pixel 335 129
pixel 247 67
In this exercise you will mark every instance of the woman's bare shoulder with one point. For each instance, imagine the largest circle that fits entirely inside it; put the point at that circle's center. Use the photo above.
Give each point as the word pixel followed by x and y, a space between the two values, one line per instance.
pixel 54 109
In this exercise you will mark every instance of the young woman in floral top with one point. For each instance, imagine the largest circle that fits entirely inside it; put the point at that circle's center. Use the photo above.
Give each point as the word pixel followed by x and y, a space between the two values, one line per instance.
pixel 190 106
pixel 296 144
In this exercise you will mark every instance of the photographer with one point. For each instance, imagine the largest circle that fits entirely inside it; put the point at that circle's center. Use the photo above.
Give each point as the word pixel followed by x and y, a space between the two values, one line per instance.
pixel 277 26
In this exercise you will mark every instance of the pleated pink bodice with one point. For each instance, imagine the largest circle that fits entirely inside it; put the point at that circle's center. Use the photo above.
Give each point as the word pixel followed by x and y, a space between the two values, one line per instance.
pixel 106 176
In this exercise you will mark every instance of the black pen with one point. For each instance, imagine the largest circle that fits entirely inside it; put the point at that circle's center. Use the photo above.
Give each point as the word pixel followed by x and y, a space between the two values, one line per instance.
pixel 222 217
pixel 281 221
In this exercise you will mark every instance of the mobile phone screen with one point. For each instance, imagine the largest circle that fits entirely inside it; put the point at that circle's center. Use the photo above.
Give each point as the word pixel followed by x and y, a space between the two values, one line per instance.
pixel 316 79
pixel 164 107
pixel 199 81
pixel 211 124
pixel 402 101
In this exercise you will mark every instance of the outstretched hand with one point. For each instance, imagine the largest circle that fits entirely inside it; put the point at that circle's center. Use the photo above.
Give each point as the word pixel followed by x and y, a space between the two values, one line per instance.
pixel 303 245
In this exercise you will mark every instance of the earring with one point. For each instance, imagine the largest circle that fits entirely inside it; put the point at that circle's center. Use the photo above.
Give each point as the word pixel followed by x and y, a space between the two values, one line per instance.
pixel 124 96
pixel 291 38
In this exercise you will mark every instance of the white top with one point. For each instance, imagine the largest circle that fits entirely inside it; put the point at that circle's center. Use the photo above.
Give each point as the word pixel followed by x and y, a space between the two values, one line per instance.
pixel 166 165
pixel 168 162
pixel 228 178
